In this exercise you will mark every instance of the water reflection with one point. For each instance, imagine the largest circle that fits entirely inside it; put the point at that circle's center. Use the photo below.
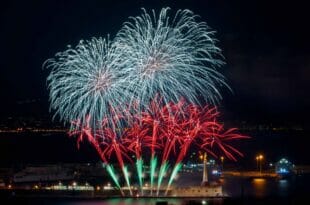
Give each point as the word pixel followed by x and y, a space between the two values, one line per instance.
pixel 283 187
pixel 147 201
pixel 128 201
pixel 259 186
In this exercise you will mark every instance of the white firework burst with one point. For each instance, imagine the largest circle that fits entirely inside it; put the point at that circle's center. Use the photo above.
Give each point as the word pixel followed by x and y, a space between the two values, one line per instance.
pixel 151 57
pixel 87 81
pixel 172 57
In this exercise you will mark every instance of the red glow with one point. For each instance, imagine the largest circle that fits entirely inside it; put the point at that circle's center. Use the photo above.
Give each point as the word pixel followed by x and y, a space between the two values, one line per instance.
pixel 167 131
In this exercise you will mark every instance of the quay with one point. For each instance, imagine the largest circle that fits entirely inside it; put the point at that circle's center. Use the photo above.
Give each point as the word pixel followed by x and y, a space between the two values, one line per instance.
pixel 250 174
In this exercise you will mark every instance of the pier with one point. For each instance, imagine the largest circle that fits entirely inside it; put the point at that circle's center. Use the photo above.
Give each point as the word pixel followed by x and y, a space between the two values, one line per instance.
pixel 250 174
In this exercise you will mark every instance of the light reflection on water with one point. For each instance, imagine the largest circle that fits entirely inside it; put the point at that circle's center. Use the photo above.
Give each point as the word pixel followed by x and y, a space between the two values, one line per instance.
pixel 283 187
pixel 145 201
pixel 265 187
pixel 127 201
pixel 259 185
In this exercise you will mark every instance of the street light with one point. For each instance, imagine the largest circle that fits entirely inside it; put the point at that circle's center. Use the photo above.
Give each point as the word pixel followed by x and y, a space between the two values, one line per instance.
pixel 261 157
pixel 259 160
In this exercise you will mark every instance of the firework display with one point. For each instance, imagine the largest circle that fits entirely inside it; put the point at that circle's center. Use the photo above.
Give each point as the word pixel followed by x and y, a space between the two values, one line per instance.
pixel 145 98
pixel 175 56
pixel 86 81
pixel 166 136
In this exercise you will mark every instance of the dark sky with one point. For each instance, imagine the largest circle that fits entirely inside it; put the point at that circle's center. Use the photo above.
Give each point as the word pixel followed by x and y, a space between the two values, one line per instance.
pixel 266 46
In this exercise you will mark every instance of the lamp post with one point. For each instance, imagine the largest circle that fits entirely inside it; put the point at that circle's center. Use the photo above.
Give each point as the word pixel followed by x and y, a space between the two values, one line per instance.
pixel 259 164
pixel 261 157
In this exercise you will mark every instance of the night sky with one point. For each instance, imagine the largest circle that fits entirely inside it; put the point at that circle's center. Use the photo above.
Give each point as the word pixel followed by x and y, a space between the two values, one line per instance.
pixel 266 47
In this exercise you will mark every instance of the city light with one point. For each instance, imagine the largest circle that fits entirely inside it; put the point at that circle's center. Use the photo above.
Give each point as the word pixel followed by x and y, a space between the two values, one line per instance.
pixel 222 159
pixel 215 172
pixel 284 167
pixel 283 170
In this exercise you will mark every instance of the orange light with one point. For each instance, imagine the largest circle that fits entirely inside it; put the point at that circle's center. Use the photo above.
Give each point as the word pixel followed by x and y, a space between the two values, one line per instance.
pixel 259 181
pixel 259 157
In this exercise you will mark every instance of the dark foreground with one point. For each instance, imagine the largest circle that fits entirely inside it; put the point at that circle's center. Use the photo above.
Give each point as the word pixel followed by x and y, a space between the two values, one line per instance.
pixel 156 201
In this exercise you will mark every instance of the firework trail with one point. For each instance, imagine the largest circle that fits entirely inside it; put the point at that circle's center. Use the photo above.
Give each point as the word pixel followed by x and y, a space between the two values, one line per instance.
pixel 113 144
pixel 166 135
pixel 135 140
pixel 106 143
pixel 174 56
pixel 181 125
pixel 85 132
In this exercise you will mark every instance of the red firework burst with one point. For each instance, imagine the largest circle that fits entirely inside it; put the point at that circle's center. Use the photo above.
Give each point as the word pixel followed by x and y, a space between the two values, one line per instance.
pixel 166 130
